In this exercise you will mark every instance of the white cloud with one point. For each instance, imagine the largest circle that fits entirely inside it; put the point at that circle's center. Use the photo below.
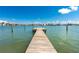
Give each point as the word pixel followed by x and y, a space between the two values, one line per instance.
pixel 3 21
pixel 68 10
pixel 74 8
pixel 64 11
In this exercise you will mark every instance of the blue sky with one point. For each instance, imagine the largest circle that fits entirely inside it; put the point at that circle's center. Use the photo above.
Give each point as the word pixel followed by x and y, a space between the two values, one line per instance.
pixel 25 14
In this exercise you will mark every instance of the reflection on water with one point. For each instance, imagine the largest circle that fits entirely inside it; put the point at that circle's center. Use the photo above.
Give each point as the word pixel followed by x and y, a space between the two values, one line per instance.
pixel 64 40
pixel 66 32
pixel 17 38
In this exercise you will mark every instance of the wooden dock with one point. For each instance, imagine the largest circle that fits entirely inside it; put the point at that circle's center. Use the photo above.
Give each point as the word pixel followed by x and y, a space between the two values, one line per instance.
pixel 40 43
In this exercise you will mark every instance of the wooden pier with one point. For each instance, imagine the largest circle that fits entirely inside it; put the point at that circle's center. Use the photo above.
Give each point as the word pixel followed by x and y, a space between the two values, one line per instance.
pixel 40 43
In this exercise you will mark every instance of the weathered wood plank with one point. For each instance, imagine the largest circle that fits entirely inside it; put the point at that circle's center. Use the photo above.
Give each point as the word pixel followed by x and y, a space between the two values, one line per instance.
pixel 40 43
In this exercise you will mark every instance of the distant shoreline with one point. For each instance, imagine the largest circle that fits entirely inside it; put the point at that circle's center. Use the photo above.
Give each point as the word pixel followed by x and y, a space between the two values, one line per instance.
pixel 39 24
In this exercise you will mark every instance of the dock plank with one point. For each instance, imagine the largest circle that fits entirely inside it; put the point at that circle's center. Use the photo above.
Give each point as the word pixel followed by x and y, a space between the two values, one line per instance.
pixel 40 43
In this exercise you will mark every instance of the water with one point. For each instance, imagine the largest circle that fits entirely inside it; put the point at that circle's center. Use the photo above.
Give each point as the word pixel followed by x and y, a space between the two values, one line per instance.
pixel 64 41
pixel 19 39
pixel 16 41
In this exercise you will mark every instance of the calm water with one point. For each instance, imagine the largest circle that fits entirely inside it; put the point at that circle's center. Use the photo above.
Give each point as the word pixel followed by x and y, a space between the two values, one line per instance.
pixel 18 40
